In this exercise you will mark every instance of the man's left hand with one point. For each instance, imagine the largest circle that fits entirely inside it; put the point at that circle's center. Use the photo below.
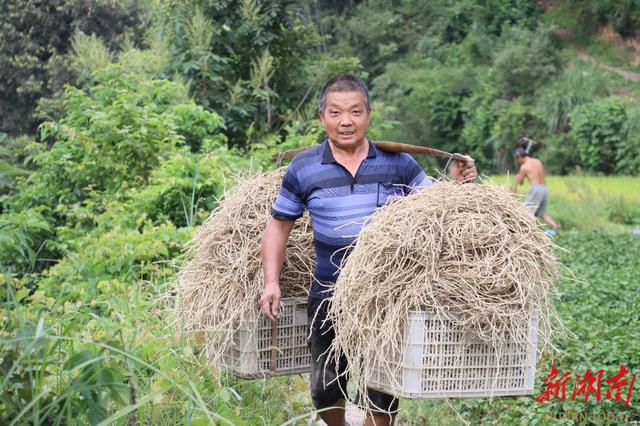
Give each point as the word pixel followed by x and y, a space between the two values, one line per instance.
pixel 464 171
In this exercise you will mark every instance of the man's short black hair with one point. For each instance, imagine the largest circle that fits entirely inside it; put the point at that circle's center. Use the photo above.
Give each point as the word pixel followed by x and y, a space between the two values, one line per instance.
pixel 344 83
pixel 520 152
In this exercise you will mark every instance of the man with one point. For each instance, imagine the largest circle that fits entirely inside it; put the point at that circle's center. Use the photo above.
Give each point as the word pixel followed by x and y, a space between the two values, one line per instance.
pixel 341 182
pixel 536 200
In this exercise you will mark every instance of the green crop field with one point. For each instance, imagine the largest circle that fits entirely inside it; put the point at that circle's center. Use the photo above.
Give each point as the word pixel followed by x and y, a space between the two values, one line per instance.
pixel 606 203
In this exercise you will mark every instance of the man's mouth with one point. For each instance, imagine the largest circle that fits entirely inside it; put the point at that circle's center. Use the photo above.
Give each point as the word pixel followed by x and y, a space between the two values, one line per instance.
pixel 346 133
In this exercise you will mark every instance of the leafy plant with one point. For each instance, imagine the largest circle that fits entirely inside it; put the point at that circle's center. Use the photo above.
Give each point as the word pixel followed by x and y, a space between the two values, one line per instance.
pixel 22 236
pixel 238 58
pixel 597 130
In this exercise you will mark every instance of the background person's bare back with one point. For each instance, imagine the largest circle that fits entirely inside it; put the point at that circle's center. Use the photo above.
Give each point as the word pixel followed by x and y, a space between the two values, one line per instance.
pixel 534 171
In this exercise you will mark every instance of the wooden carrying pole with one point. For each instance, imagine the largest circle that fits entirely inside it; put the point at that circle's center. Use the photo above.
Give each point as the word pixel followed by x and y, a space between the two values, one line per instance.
pixel 389 147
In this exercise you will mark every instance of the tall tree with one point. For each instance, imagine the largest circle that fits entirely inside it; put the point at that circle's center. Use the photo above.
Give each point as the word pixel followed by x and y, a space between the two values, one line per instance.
pixel 244 59
pixel 35 35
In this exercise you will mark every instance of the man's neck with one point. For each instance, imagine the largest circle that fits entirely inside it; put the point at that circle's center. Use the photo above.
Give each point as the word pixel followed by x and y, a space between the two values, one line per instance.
pixel 350 159
pixel 350 153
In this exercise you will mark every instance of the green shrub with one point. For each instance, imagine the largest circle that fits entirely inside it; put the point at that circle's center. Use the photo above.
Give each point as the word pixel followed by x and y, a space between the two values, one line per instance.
pixel 427 99
pixel 101 267
pixel 622 212
pixel 525 62
pixel 579 83
pixel 184 188
pixel 239 58
pixel 597 130
pixel 124 135
pixel 114 134
pixel 628 152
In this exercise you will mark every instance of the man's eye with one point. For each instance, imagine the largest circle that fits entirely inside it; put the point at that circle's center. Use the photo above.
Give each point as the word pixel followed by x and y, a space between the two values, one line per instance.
pixel 357 112
pixel 334 113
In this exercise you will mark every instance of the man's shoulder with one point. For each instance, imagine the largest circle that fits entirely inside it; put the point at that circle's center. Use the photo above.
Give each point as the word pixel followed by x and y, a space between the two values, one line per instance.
pixel 533 164
pixel 311 157
pixel 307 156
pixel 395 157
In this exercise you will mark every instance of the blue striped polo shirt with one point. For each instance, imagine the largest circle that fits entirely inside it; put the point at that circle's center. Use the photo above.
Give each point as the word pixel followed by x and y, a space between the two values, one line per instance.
pixel 339 203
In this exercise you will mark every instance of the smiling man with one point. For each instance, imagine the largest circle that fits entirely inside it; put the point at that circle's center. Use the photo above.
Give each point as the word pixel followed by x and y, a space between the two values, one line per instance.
pixel 341 182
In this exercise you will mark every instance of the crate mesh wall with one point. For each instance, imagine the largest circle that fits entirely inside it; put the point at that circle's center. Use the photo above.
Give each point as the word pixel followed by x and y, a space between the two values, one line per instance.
pixel 250 356
pixel 438 360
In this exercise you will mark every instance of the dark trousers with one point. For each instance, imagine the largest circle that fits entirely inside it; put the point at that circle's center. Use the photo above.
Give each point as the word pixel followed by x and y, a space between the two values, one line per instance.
pixel 326 390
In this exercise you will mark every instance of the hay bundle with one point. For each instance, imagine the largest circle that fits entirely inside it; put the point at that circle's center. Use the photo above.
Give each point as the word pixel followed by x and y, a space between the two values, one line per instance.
pixel 470 250
pixel 220 284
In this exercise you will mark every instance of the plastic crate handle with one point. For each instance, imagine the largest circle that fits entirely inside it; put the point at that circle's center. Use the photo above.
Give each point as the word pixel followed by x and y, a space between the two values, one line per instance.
pixel 274 342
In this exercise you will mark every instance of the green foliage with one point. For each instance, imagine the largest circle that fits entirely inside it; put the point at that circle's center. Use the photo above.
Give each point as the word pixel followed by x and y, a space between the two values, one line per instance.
pixel 35 40
pixel 89 55
pixel 184 188
pixel 526 62
pixel 515 119
pixel 587 16
pixel 127 143
pixel 9 160
pixel 628 152
pixel 380 32
pixel 461 76
pixel 95 217
pixel 559 154
pixel 597 130
pixel 476 135
pixel 100 265
pixel 15 155
pixel 427 100
pixel 22 235
pixel 239 58
pixel 373 33
pixel 622 212
pixel 578 84
pixel 296 135
pixel 114 135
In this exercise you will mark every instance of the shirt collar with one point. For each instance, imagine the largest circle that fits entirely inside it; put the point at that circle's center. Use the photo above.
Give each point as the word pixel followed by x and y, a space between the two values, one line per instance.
pixel 327 155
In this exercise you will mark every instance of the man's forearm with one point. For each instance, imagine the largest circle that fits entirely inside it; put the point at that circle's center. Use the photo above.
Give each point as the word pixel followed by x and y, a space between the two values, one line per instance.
pixel 274 245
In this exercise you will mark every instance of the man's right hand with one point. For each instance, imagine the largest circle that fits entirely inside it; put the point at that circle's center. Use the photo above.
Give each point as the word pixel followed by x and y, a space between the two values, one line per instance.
pixel 270 301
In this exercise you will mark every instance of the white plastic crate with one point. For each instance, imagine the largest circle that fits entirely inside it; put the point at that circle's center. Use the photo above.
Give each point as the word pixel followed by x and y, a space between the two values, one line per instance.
pixel 437 360
pixel 256 352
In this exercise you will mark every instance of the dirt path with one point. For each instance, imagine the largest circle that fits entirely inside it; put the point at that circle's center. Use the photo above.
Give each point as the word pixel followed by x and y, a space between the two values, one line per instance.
pixel 353 415
pixel 629 75
pixel 568 37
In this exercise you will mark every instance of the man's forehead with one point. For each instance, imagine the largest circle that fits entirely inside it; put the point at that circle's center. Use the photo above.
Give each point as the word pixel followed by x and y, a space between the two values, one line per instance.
pixel 345 99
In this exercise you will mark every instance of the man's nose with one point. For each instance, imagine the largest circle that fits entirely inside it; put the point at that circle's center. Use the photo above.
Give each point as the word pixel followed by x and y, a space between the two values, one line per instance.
pixel 346 120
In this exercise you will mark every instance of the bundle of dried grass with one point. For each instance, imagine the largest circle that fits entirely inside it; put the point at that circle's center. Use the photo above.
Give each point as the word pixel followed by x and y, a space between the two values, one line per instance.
pixel 469 250
pixel 220 284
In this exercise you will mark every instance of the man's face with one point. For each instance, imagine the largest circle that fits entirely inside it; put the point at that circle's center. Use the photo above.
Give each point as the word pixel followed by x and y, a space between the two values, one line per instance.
pixel 345 118
pixel 520 160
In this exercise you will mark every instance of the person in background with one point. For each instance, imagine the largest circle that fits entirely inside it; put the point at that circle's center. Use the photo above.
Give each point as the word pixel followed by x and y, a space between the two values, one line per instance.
pixel 536 200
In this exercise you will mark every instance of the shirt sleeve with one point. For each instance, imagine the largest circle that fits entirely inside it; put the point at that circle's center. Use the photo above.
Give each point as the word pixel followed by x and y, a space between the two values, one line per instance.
pixel 289 204
pixel 414 177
